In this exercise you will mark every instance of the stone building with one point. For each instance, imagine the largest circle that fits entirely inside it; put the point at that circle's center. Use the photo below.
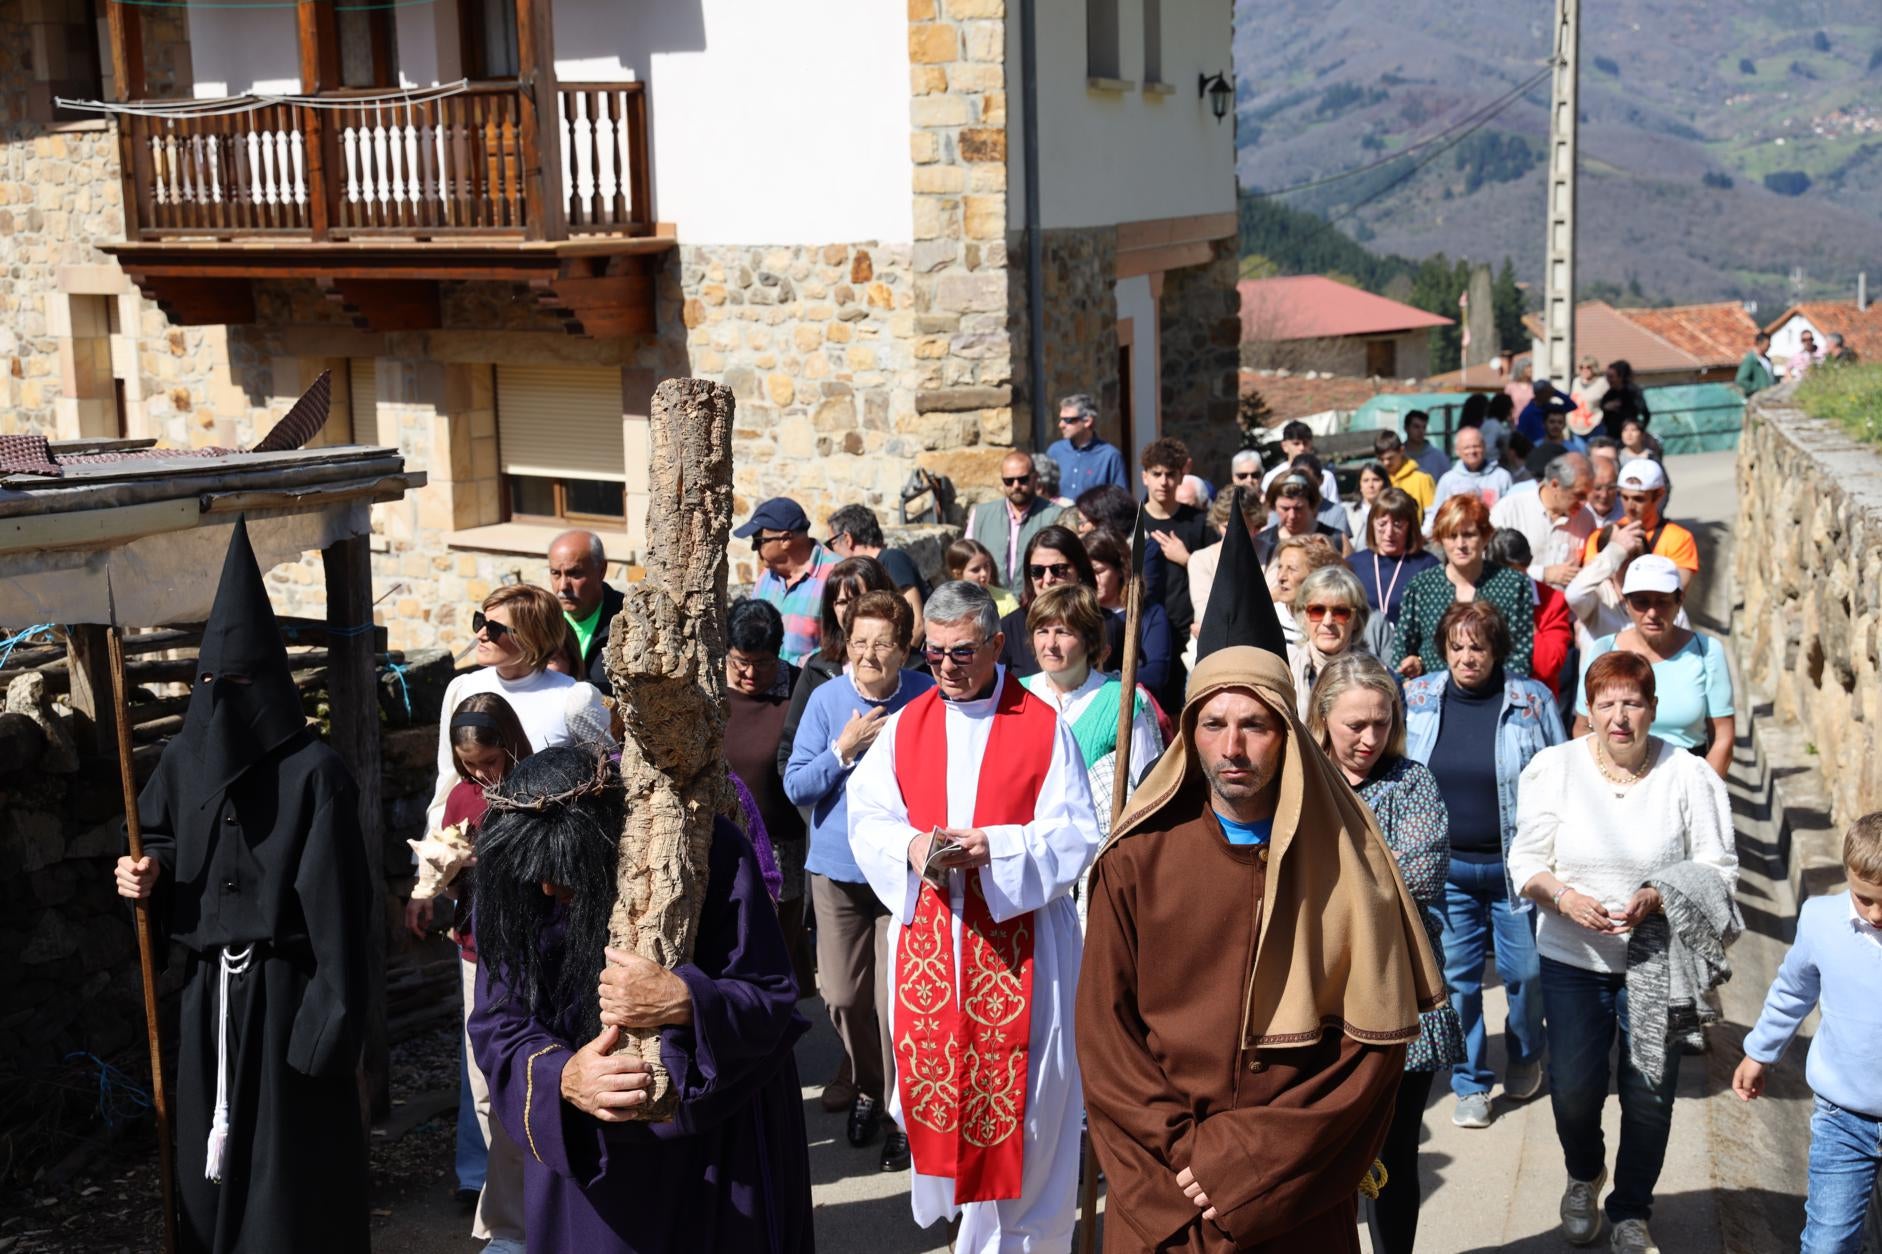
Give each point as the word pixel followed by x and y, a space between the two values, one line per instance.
pixel 824 207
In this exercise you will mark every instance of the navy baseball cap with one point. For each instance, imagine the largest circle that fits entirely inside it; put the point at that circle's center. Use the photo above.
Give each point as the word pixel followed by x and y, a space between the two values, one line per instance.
pixel 780 513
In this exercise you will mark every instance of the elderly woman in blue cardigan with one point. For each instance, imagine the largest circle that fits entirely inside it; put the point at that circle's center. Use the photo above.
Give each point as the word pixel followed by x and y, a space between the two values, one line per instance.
pixel 1449 717
pixel 841 720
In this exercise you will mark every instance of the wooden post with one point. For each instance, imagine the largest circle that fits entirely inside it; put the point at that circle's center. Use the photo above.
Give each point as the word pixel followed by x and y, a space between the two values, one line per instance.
pixel 319 41
pixel 113 652
pixel 126 26
pixel 666 659
pixel 93 711
pixel 353 692
pixel 539 120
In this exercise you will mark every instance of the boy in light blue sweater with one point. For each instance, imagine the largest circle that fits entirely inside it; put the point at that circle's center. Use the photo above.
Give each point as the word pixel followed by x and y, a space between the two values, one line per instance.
pixel 1836 963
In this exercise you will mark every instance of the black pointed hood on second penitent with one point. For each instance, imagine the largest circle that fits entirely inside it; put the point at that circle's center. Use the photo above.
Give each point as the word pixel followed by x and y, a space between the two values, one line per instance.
pixel 1241 609
pixel 244 704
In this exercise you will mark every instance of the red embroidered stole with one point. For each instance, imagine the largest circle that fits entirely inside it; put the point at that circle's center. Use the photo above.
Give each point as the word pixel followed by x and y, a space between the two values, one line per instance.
pixel 960 1061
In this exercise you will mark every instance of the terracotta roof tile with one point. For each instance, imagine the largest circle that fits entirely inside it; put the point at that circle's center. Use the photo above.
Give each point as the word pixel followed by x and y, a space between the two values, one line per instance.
pixel 1861 329
pixel 1715 335
pixel 1312 307
pixel 1296 396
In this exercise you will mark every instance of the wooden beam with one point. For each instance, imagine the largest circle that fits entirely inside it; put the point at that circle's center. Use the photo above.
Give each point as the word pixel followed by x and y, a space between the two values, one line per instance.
pixel 88 665
pixel 200 302
pixel 353 693
pixel 387 304
pixel 317 34
pixel 537 119
pixel 318 37
pixel 126 28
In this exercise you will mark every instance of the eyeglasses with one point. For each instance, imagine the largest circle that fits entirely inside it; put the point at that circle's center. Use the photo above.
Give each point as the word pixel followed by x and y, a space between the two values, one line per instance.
pixel 1070 420
pixel 1058 570
pixel 488 626
pixel 758 542
pixel 1339 613
pixel 1016 480
pixel 1247 476
pixel 871 648
pixel 1641 602
pixel 960 654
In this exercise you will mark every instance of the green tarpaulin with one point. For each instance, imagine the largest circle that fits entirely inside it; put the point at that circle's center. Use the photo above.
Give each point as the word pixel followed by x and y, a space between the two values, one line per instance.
pixel 1688 418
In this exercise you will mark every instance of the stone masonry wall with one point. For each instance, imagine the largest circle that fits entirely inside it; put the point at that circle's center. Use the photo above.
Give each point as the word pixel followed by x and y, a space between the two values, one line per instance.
pixel 1201 328
pixel 1808 545
pixel 1081 349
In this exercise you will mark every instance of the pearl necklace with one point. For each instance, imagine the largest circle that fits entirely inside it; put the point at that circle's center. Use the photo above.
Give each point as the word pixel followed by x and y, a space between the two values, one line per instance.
pixel 1619 776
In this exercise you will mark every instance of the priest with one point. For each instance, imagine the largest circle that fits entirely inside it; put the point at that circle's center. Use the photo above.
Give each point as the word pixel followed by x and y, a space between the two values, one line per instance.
pixel 971 819
pixel 729 1172
pixel 1253 968
pixel 253 858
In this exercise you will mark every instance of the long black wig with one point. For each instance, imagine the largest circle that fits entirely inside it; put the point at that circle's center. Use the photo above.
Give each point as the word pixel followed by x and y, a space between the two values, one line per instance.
pixel 555 820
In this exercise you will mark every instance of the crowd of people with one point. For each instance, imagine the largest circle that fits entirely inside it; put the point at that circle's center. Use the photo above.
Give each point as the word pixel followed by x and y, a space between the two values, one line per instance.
pixel 1231 922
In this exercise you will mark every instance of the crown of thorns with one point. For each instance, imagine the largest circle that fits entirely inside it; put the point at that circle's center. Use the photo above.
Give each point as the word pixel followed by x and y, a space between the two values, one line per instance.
pixel 600 782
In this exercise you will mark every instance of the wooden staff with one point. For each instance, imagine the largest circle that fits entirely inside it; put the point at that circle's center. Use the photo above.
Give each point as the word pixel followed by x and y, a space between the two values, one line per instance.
pixel 146 951
pixel 1120 789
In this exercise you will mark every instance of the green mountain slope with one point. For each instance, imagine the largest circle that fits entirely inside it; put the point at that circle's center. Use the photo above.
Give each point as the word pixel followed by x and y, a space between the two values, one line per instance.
pixel 1729 150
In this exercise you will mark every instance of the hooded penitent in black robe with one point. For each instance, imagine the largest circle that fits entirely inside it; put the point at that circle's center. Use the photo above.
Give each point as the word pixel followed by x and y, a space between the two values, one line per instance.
pixel 254 824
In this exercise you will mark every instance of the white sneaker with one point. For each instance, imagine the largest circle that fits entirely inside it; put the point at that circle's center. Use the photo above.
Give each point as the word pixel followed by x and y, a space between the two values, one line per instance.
pixel 1631 1237
pixel 1581 1210
pixel 1473 1111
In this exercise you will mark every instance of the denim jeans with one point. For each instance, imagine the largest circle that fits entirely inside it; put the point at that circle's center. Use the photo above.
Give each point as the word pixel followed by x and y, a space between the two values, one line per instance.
pixel 1844 1149
pixel 1476 901
pixel 472 1153
pixel 1587 1011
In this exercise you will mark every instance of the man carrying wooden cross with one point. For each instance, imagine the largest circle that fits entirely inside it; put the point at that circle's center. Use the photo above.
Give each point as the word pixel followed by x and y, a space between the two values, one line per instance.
pixel 987 951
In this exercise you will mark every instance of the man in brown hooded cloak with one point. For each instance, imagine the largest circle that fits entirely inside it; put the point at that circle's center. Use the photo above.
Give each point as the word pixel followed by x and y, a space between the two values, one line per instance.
pixel 1253 970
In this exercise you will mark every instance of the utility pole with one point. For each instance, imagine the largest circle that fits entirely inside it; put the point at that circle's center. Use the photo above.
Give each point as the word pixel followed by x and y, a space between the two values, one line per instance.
pixel 1558 278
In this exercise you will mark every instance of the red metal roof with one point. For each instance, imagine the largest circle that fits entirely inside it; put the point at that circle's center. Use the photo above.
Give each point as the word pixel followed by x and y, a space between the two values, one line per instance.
pixel 1313 307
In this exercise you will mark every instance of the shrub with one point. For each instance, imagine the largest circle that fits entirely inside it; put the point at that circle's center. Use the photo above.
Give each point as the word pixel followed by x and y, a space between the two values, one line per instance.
pixel 1850 396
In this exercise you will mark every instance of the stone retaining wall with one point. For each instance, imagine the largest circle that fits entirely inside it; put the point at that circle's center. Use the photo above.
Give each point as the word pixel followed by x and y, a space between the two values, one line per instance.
pixel 1808 557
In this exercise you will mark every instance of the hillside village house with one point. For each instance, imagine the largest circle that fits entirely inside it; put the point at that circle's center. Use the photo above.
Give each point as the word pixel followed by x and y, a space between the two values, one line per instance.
pixel 1860 327
pixel 1310 322
pixel 820 204
pixel 1669 345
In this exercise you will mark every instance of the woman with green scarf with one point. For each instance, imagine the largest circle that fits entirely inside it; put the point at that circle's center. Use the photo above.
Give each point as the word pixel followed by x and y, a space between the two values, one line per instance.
pixel 1067 626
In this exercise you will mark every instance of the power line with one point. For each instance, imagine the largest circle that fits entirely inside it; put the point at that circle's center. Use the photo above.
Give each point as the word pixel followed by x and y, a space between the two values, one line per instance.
pixel 1416 166
pixel 1479 116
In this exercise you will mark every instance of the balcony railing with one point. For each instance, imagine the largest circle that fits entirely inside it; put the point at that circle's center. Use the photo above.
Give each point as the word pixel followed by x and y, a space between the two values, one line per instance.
pixel 463 164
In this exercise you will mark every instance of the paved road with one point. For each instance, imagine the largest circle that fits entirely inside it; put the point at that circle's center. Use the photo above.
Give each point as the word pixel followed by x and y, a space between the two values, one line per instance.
pixel 1734 1173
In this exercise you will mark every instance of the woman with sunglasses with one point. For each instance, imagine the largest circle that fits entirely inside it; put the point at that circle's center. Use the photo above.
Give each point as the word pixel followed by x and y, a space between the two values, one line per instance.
pixel 1690 674
pixel 519 629
pixel 1330 610
pixel 1054 557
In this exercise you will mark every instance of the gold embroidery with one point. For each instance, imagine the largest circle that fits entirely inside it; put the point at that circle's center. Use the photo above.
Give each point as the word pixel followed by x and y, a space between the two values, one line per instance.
pixel 529 1096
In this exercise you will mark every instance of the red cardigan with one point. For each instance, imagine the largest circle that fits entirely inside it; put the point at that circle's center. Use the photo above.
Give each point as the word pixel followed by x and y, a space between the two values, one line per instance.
pixel 1555 636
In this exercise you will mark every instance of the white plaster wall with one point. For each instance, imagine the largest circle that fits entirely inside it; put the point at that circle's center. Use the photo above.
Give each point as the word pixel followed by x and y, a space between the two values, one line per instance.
pixel 1788 338
pixel 1136 302
pixel 236 51
pixel 1180 160
pixel 427 37
pixel 772 123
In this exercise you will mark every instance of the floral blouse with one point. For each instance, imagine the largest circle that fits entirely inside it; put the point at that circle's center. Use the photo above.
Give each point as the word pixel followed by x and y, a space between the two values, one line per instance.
pixel 1404 797
pixel 1431 592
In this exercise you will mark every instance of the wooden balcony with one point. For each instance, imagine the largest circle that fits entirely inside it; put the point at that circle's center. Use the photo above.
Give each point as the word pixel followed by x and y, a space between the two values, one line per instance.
pixel 379 203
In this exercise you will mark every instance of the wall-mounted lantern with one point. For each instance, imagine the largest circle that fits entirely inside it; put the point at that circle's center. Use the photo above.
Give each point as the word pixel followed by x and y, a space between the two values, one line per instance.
pixel 1216 87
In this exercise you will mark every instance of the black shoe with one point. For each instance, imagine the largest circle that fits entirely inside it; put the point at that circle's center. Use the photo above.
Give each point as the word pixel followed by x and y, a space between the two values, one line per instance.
pixel 467 1199
pixel 865 1118
pixel 895 1151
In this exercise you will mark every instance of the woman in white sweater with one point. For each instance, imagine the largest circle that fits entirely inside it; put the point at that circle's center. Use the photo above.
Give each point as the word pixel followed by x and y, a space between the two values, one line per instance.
pixel 518 629
pixel 1597 819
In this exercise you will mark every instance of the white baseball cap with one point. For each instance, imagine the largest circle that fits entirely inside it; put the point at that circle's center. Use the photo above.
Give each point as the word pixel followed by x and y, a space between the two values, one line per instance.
pixel 1650 573
pixel 1642 474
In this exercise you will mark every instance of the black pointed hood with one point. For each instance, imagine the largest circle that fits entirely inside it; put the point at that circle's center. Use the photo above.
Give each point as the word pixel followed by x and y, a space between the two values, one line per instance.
pixel 244 704
pixel 1241 610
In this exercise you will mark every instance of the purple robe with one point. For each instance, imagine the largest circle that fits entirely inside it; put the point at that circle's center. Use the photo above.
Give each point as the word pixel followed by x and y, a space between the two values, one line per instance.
pixel 730 1173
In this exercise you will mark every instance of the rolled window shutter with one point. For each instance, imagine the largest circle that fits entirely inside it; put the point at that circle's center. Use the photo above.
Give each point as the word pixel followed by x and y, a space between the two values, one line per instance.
pixel 362 397
pixel 561 422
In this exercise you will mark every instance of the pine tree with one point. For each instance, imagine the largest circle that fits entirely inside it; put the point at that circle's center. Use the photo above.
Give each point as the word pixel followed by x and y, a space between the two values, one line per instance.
pixel 1251 415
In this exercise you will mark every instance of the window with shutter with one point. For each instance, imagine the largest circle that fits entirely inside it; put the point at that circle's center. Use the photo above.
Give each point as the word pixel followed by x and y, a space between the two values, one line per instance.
pixel 362 397
pixel 561 442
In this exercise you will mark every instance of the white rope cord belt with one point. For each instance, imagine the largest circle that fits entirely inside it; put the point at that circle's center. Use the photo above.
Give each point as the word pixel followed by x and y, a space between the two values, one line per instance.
pixel 233 962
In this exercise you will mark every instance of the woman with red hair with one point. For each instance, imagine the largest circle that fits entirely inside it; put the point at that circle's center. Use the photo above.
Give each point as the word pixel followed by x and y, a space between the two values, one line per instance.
pixel 1462 529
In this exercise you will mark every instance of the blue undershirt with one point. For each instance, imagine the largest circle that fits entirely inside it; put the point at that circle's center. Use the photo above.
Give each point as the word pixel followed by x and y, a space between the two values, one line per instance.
pixel 1245 833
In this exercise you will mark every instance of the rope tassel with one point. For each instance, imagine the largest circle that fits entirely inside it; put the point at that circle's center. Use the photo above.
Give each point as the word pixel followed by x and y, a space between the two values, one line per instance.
pixel 233 962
